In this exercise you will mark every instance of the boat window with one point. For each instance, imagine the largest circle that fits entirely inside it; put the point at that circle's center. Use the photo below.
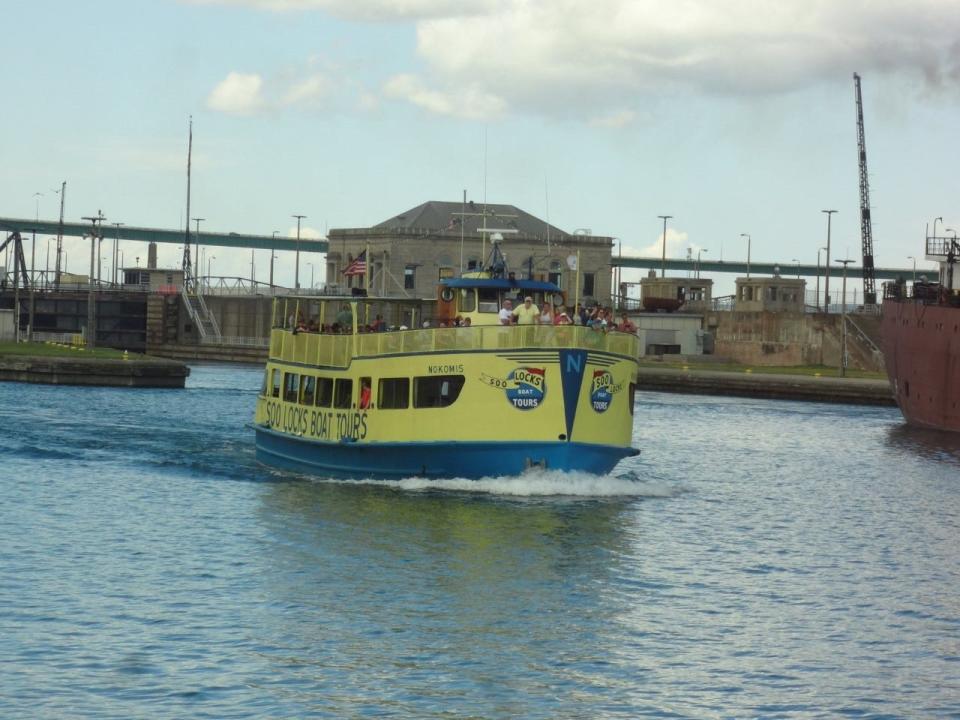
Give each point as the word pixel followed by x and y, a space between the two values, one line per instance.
pixel 394 394
pixel 489 300
pixel 276 382
pixel 324 391
pixel 291 386
pixel 343 393
pixel 436 390
pixel 468 300
pixel 308 390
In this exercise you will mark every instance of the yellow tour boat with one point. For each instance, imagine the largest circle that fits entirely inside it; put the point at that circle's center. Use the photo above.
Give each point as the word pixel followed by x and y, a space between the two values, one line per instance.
pixel 466 398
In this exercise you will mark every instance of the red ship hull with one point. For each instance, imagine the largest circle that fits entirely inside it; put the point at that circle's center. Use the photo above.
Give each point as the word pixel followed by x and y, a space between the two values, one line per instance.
pixel 921 348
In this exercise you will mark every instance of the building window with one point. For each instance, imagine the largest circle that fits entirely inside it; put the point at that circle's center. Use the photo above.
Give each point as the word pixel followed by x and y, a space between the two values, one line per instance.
pixel 555 278
pixel 409 277
pixel 394 394
pixel 588 284
pixel 276 383
pixel 472 265
pixel 445 273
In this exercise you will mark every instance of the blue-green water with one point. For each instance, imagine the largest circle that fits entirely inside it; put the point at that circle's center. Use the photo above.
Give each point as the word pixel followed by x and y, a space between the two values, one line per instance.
pixel 759 559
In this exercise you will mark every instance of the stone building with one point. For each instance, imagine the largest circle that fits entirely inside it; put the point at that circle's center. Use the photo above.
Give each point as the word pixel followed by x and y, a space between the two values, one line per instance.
pixel 675 293
pixel 411 251
pixel 770 294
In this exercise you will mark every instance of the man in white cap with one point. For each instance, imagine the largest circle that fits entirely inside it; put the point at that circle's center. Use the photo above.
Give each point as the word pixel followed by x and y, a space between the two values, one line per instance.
pixel 528 313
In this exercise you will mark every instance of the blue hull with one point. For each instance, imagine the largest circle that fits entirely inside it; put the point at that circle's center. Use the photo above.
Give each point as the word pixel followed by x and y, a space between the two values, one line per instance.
pixel 437 460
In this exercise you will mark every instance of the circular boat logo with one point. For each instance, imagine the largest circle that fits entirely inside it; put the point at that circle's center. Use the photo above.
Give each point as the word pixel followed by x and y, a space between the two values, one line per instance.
pixel 526 388
pixel 602 390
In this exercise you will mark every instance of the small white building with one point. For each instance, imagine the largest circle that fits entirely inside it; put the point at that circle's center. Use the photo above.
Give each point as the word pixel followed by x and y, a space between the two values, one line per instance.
pixel 670 334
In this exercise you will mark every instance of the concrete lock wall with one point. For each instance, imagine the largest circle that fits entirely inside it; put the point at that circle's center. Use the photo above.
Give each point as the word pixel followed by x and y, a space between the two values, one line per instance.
pixel 788 339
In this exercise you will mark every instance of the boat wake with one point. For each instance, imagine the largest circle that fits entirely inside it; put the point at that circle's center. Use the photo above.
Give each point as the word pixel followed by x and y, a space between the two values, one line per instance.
pixel 540 483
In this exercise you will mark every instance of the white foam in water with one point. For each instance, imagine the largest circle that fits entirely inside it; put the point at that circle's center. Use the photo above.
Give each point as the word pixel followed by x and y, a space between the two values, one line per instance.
pixel 534 483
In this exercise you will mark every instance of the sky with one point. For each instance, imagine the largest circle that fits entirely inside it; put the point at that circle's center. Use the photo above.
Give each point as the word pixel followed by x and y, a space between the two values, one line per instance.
pixel 733 116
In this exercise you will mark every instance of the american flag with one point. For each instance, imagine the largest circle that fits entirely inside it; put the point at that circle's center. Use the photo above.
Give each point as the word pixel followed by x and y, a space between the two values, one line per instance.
pixel 358 266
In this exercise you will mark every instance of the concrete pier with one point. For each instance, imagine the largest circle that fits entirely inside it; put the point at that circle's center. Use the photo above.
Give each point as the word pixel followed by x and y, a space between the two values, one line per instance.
pixel 141 373
pixel 853 391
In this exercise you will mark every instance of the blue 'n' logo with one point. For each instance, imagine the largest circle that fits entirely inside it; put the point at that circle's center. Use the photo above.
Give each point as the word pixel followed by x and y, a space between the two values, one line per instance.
pixel 572 365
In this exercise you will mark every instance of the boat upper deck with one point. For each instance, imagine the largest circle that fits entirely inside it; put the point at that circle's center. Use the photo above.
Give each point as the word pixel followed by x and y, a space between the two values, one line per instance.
pixel 338 350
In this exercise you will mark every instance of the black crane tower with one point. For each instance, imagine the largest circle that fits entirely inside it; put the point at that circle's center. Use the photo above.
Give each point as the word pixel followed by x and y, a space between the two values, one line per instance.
pixel 866 229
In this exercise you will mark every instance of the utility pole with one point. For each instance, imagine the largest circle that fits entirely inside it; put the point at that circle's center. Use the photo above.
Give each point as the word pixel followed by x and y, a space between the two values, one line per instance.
pixel 843 320
pixel 116 243
pixel 95 233
pixel 663 259
pixel 272 255
pixel 826 266
pixel 296 270
pixel 56 279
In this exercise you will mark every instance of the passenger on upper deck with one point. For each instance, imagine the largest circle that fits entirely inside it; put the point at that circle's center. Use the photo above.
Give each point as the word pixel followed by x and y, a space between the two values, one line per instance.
pixel 506 313
pixel 528 313
pixel 345 319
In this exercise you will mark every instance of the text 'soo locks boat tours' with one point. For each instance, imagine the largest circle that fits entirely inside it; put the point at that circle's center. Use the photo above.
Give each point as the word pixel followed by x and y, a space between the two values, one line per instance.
pixel 921 341
pixel 479 399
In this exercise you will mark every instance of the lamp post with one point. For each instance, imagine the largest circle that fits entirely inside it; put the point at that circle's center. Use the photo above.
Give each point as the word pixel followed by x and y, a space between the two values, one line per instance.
pixel 911 257
pixel 121 261
pixel 843 319
pixel 951 230
pixel 819 250
pixel 209 263
pixel 311 274
pixel 273 254
pixel 935 220
pixel 798 266
pixel 826 265
pixel 663 259
pixel 747 236
pixel 116 243
pixel 196 241
pixel 701 250
pixel 296 270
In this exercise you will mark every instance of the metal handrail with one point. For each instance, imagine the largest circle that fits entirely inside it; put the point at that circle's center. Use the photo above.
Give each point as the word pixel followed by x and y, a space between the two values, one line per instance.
pixel 339 350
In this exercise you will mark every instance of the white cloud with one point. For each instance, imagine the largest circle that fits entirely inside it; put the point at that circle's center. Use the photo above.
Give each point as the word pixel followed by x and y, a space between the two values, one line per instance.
pixel 677 244
pixel 308 90
pixel 237 94
pixel 603 60
pixel 306 232
pixel 617 119
pixel 465 102
pixel 369 10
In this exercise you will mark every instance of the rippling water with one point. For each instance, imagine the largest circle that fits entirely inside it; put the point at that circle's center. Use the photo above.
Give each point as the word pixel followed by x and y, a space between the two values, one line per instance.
pixel 759 559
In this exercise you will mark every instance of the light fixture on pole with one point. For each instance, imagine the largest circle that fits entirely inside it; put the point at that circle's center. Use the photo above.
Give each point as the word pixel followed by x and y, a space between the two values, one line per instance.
pixel 209 263
pixel 311 274
pixel 843 319
pixel 701 250
pixel 798 267
pixel 935 221
pixel 819 250
pixel 826 265
pixel 116 243
pixel 296 270
pixel 273 254
pixel 663 259
pixel 747 236
pixel 196 243
pixel 951 230
pixel 911 257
